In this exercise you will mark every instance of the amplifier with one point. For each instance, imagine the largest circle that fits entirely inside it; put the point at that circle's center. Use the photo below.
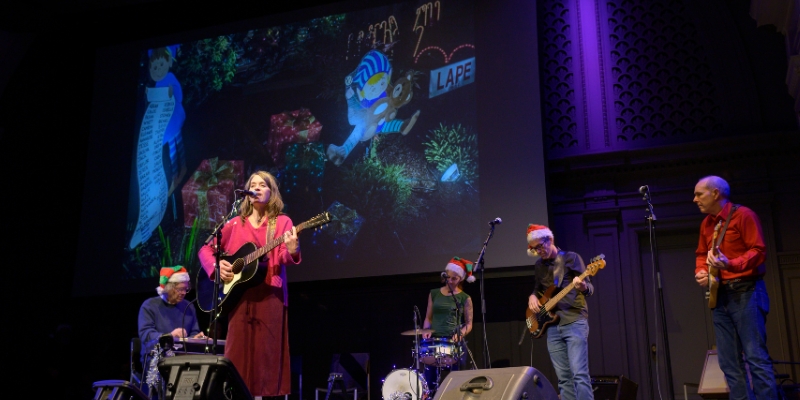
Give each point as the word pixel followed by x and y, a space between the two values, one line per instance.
pixel 612 387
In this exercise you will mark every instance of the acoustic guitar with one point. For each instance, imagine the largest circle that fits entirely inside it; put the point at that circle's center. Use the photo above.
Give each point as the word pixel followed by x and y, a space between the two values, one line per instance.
pixel 246 271
pixel 713 273
pixel 537 322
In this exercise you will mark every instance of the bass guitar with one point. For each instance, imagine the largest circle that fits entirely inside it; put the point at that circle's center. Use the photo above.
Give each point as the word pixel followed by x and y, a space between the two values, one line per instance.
pixel 246 271
pixel 537 322
pixel 713 273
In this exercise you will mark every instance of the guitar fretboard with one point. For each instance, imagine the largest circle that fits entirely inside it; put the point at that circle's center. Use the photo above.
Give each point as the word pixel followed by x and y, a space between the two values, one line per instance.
pixel 271 245
pixel 591 269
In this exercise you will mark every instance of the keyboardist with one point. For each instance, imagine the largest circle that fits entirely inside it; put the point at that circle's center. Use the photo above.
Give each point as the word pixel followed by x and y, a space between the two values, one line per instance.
pixel 169 312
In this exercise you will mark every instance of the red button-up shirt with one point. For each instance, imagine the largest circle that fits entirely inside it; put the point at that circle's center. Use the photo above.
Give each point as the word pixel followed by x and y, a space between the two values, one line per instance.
pixel 743 243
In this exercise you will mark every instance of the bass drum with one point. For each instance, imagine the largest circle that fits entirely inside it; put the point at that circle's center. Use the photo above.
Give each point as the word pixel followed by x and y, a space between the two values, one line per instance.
pixel 405 384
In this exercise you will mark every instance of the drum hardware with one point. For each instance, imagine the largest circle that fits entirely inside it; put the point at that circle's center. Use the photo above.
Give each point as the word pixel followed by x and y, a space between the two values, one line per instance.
pixel 413 332
pixel 334 378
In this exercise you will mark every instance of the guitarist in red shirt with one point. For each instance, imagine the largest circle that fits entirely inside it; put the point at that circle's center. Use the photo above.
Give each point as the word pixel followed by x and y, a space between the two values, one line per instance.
pixel 567 325
pixel 742 302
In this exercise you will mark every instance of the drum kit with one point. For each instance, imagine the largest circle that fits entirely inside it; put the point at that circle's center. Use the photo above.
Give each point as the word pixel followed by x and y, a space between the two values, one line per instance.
pixel 433 352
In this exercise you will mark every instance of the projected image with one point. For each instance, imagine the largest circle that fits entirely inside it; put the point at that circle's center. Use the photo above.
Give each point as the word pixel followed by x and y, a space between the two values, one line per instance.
pixel 369 116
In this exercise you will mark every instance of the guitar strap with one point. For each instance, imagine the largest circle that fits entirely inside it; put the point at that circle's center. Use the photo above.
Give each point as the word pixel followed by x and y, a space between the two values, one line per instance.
pixel 725 228
pixel 271 229
pixel 271 222
pixel 558 268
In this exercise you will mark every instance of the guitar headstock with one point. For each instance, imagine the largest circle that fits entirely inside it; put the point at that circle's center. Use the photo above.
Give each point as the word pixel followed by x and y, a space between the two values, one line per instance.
pixel 319 220
pixel 597 263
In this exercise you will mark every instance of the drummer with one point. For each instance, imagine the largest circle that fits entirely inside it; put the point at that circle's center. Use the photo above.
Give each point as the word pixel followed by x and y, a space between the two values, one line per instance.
pixel 449 316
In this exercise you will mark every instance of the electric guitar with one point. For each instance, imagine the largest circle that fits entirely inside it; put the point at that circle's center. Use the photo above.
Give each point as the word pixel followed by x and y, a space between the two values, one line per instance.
pixel 713 273
pixel 537 322
pixel 246 271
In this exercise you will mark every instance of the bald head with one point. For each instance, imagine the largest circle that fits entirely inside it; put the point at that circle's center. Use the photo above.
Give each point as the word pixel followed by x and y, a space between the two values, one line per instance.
pixel 715 182
pixel 711 194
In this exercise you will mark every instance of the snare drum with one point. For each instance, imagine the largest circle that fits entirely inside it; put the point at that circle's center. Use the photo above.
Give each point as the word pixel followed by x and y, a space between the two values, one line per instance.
pixel 439 352
pixel 405 384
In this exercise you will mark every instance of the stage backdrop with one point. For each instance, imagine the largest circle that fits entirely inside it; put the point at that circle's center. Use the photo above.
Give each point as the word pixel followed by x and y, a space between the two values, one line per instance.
pixel 413 124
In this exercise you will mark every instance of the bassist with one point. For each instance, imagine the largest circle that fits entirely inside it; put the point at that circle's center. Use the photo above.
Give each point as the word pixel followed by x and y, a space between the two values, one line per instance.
pixel 568 334
pixel 258 335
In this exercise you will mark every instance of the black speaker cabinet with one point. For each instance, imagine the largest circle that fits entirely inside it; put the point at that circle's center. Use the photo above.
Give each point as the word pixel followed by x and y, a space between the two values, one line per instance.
pixel 612 387
pixel 513 383
pixel 202 377
pixel 117 390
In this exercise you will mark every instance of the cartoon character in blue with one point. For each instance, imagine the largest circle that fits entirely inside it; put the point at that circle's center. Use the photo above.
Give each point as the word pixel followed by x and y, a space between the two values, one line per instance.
pixel 161 60
pixel 370 107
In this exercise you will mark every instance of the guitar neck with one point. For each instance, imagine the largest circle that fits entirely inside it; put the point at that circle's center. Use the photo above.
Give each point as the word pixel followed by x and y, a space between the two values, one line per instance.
pixel 714 239
pixel 269 246
pixel 555 299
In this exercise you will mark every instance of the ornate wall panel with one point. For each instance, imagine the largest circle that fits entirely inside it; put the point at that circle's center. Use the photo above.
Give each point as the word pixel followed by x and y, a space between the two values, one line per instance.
pixel 561 99
pixel 660 74
pixel 655 83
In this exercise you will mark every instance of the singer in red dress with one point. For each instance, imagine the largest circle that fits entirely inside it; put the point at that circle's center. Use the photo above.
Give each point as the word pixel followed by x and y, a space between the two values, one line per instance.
pixel 257 339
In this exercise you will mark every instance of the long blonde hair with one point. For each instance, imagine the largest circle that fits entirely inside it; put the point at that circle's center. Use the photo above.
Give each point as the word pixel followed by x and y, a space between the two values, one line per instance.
pixel 275 203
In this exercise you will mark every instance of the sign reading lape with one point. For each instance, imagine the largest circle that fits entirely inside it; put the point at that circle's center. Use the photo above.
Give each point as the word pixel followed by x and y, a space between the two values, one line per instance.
pixel 208 194
pixel 451 77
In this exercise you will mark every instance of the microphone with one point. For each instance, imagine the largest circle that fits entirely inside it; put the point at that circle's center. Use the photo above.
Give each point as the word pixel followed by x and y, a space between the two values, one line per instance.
pixel 496 221
pixel 644 189
pixel 444 276
pixel 247 192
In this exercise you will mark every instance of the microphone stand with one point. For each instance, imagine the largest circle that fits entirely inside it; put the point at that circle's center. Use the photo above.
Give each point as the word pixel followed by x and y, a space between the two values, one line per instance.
pixel 216 236
pixel 416 351
pixel 651 218
pixel 459 313
pixel 479 263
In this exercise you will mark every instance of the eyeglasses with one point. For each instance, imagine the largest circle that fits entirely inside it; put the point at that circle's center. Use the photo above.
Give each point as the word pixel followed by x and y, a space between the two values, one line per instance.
pixel 539 247
pixel 183 289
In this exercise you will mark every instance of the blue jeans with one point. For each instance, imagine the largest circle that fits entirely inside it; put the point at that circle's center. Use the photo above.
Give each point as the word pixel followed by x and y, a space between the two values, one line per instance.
pixel 740 327
pixel 569 352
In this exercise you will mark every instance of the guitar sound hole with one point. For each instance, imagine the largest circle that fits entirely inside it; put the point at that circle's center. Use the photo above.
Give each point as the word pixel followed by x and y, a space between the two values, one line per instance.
pixel 237 266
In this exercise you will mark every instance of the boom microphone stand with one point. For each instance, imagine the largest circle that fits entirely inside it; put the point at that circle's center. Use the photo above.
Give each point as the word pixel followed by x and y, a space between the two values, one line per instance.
pixel 651 217
pixel 479 263
pixel 216 236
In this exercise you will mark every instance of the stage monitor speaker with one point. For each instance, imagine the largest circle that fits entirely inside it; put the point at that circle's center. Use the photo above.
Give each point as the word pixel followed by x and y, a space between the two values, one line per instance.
pixel 513 383
pixel 117 390
pixel 202 377
pixel 612 387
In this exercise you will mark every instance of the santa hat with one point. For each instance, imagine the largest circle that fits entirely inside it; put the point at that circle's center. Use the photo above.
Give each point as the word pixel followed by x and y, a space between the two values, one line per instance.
pixel 537 232
pixel 174 274
pixel 462 267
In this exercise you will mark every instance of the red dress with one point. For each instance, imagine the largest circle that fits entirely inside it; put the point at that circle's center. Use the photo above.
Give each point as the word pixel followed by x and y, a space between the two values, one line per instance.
pixel 257 341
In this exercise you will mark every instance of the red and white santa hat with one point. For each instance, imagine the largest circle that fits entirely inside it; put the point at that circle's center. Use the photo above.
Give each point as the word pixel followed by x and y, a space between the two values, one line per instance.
pixel 461 267
pixel 537 232
pixel 174 274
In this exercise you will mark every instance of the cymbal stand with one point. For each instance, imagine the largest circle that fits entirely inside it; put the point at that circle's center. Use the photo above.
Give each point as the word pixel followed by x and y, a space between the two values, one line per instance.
pixel 416 350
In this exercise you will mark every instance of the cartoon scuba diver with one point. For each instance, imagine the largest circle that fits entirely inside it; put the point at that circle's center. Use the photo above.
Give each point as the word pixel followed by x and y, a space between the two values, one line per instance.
pixel 370 108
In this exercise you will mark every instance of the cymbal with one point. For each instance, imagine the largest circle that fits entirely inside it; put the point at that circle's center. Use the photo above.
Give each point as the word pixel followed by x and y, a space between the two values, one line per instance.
pixel 414 332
